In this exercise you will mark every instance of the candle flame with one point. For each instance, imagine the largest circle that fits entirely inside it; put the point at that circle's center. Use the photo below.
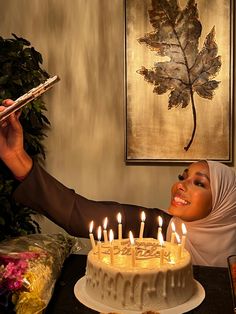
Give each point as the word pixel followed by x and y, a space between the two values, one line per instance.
pixel 160 221
pixel 143 216
pixel 119 218
pixel 177 237
pixel 105 223
pixel 184 230
pixel 161 240
pixel 131 238
pixel 99 233
pixel 91 227
pixel 111 235
pixel 173 226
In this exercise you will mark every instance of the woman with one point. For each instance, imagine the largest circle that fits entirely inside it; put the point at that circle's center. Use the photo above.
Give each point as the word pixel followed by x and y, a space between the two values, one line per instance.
pixel 204 198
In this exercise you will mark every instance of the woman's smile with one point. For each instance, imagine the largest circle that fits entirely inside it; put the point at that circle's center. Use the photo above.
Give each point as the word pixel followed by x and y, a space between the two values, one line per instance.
pixel 179 201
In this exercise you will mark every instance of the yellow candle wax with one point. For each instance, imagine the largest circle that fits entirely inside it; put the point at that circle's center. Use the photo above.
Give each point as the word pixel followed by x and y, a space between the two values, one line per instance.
pixel 91 234
pixel 143 218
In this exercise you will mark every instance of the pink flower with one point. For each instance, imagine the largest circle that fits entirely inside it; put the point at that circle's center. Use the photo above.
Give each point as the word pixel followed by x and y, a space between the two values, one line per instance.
pixel 14 285
pixel 9 269
pixel 13 268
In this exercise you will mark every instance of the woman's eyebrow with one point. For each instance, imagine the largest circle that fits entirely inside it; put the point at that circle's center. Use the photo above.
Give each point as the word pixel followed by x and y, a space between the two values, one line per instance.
pixel 199 174
pixel 203 175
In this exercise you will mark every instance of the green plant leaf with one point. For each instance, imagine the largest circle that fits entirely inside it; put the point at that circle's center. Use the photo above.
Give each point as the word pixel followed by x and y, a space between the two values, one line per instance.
pixel 20 70
pixel 22 40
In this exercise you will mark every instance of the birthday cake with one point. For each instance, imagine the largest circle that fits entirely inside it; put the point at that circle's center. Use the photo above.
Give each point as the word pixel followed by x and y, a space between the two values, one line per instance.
pixel 155 278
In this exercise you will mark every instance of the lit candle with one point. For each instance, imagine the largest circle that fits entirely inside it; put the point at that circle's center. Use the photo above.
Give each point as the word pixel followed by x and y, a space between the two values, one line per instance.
pixel 111 238
pixel 99 241
pixel 91 234
pixel 132 247
pixel 183 239
pixel 105 230
pixel 143 218
pixel 119 226
pixel 160 223
pixel 178 255
pixel 172 240
pixel 161 240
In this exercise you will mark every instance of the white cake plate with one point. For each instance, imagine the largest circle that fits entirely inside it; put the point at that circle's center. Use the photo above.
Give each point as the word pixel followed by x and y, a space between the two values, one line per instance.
pixel 83 297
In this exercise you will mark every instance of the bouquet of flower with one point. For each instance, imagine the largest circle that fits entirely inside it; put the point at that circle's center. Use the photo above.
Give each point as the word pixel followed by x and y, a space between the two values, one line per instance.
pixel 29 268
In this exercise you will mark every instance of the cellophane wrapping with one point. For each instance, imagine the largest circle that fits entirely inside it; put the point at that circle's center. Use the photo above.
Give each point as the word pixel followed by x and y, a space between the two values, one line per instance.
pixel 29 268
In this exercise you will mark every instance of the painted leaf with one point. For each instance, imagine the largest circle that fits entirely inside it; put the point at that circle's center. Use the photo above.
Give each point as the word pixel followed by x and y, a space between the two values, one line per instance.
pixel 206 67
pixel 176 36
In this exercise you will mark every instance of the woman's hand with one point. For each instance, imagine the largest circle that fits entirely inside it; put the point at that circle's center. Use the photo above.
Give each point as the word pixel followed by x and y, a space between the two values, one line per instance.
pixel 11 134
pixel 11 144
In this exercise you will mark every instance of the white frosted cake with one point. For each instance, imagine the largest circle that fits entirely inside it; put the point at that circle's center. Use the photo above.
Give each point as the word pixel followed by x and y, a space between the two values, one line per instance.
pixel 146 283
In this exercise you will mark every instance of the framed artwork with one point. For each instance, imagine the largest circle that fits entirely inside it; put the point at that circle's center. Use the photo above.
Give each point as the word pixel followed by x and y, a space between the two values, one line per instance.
pixel 179 72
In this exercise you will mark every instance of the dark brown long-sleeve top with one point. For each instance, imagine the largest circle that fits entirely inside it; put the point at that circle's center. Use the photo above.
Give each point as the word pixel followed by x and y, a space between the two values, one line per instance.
pixel 43 193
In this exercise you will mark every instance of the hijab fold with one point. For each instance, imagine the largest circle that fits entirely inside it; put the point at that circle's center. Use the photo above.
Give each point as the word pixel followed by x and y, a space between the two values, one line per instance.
pixel 212 239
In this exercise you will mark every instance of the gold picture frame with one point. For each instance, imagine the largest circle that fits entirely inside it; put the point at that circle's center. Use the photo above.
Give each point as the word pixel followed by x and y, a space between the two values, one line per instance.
pixel 179 85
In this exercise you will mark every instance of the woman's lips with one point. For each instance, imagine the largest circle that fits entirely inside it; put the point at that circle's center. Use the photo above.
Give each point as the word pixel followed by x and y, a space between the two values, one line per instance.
pixel 178 201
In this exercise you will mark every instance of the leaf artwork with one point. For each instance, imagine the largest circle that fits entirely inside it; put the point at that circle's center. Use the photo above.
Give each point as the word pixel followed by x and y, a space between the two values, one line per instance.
pixel 176 35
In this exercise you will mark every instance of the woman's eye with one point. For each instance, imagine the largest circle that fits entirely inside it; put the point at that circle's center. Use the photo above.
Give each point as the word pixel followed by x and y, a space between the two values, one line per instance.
pixel 180 177
pixel 199 183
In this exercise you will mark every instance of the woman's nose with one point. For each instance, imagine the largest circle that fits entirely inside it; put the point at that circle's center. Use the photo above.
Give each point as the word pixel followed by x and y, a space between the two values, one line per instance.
pixel 181 186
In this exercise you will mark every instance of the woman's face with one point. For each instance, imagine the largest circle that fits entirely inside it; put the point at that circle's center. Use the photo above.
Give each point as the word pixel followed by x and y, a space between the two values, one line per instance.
pixel 191 197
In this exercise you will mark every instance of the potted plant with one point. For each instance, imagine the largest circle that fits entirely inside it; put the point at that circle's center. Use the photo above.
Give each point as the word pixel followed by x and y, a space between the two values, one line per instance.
pixel 20 70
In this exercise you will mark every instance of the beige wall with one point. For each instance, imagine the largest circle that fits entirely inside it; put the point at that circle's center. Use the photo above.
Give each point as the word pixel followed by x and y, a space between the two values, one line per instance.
pixel 83 42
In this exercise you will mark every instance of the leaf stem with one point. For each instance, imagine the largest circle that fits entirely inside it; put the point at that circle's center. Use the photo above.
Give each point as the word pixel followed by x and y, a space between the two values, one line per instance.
pixel 191 93
pixel 194 121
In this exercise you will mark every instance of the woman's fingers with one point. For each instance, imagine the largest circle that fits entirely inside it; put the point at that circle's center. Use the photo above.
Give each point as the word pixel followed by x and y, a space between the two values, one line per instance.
pixel 7 102
pixel 12 117
pixel 3 123
pixel 18 113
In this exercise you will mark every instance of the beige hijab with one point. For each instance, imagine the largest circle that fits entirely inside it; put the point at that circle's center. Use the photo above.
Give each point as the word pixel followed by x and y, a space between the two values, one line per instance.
pixel 212 239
